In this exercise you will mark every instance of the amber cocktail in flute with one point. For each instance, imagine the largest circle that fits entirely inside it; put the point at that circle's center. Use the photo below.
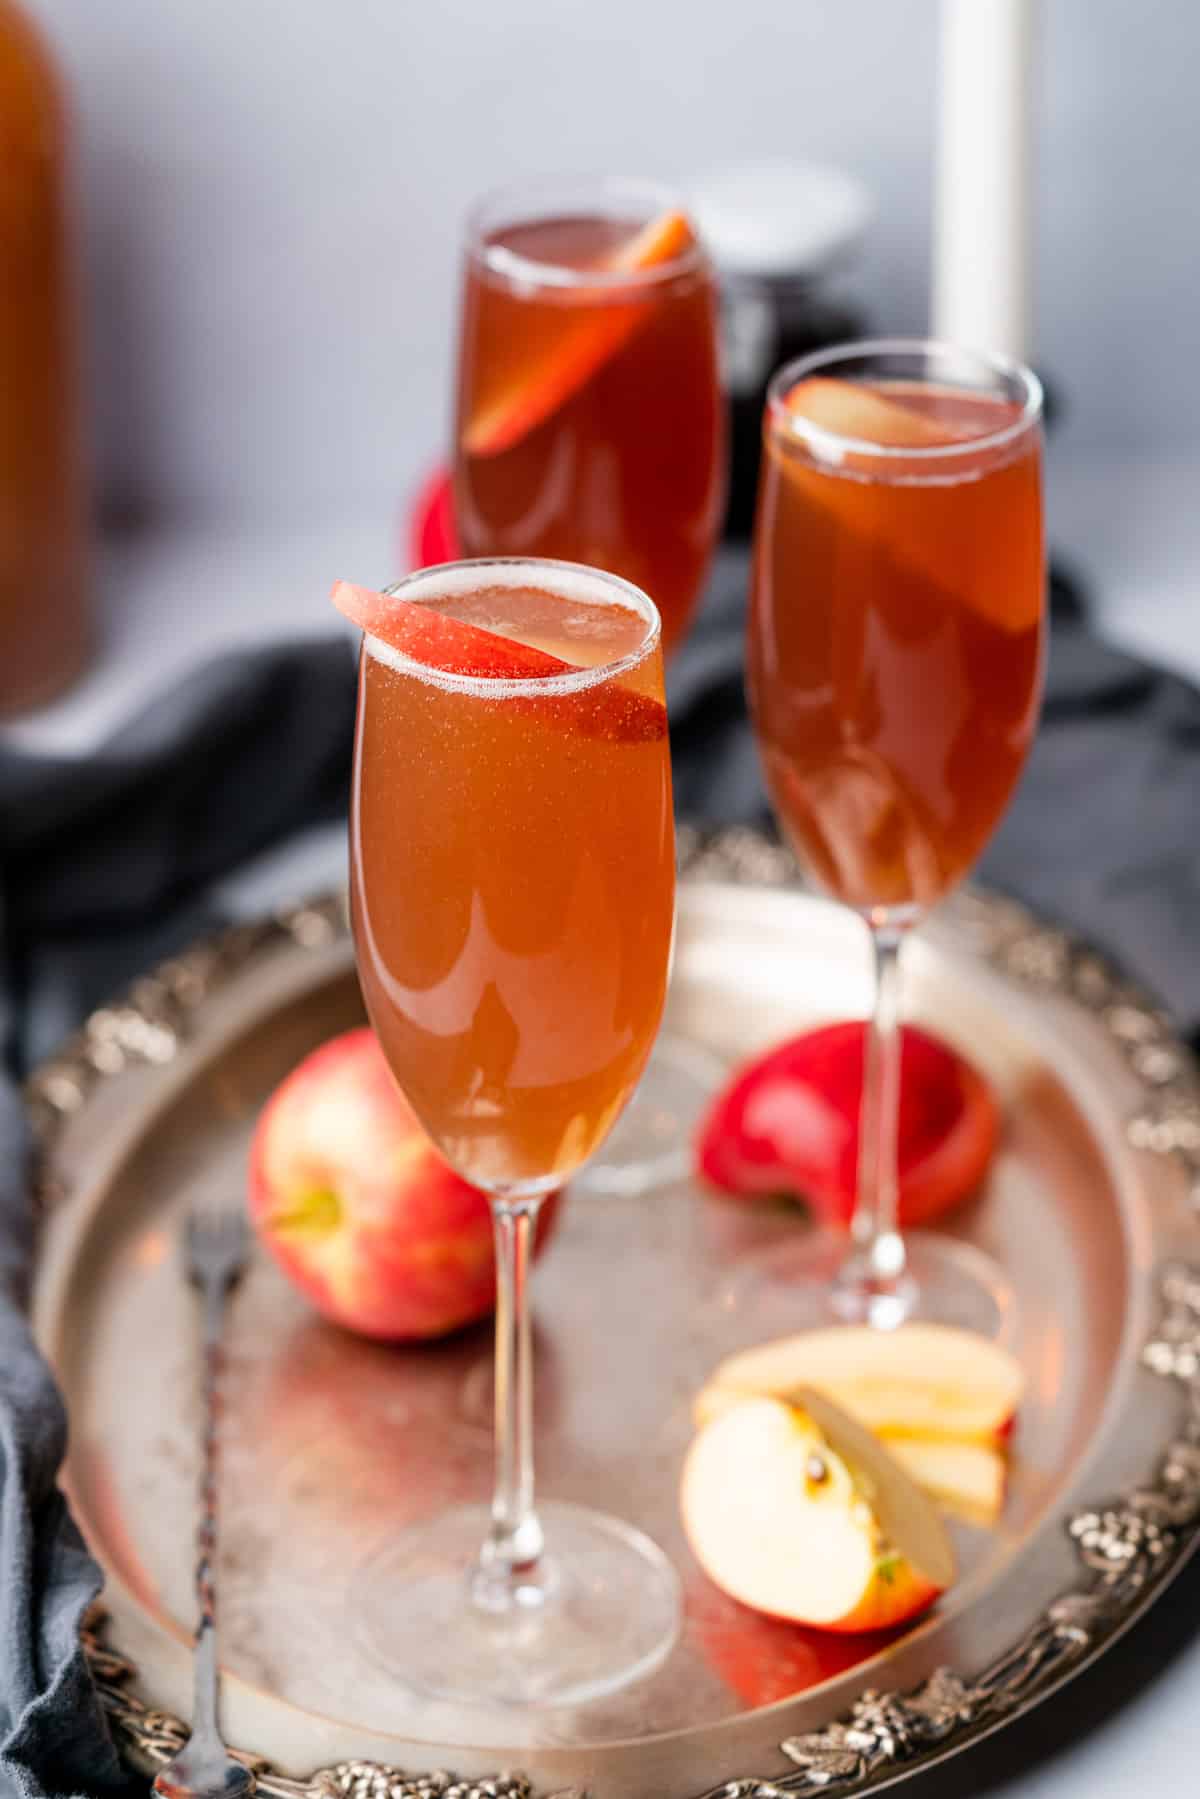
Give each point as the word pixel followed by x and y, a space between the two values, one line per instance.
pixel 512 883
pixel 895 665
pixel 590 419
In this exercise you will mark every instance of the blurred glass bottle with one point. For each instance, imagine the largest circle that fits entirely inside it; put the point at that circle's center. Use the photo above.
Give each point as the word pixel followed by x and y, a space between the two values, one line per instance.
pixel 43 601
pixel 778 233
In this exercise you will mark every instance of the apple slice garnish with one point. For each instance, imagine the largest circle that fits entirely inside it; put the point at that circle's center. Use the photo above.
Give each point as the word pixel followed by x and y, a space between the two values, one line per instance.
pixel 809 1518
pixel 920 1380
pixel 612 709
pixel 568 354
pixel 788 1123
pixel 867 417
pixel 440 642
pixel 931 555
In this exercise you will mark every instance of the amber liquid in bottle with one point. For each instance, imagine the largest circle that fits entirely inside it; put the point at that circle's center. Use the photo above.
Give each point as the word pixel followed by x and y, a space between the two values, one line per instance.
pixel 43 622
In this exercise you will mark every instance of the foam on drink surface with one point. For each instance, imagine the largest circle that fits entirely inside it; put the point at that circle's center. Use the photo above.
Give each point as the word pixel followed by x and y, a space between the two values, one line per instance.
pixel 578 620
pixel 908 433
pixel 573 628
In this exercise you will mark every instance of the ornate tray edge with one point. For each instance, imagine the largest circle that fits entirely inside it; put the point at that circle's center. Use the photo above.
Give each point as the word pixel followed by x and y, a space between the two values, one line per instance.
pixel 1126 1548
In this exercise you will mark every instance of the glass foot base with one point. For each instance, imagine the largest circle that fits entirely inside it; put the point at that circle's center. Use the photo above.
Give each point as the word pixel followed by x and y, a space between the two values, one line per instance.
pixel 651 1142
pixel 807 1284
pixel 600 1609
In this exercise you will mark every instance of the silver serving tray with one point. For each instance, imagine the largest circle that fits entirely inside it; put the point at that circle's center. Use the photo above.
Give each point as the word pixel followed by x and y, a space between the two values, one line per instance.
pixel 332 1443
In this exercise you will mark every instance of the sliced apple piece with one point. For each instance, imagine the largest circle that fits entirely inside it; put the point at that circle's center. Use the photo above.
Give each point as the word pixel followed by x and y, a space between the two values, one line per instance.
pixel 903 1513
pixel 919 559
pixel 922 1380
pixel 965 1479
pixel 866 416
pixel 441 642
pixel 616 710
pixel 789 1522
pixel 565 357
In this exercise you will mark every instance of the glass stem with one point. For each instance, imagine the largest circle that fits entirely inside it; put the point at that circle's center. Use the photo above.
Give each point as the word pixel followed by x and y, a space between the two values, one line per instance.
pixel 873 1285
pixel 515 1542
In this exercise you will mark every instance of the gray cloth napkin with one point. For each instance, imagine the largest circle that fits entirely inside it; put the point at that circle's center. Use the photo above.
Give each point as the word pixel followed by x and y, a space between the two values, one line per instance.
pixel 107 866
pixel 52 1735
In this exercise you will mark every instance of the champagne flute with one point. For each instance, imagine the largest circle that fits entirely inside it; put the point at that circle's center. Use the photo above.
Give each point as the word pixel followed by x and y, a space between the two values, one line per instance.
pixel 895 655
pixel 590 421
pixel 512 885
pixel 590 424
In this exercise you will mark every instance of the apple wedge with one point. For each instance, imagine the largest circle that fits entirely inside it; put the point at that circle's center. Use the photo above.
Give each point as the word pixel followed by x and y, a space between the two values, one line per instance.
pixel 850 422
pixel 801 1513
pixel 922 1380
pixel 966 1479
pixel 864 415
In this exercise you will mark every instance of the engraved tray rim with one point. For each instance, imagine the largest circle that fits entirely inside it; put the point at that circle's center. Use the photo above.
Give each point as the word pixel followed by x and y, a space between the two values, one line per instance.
pixel 1126 1550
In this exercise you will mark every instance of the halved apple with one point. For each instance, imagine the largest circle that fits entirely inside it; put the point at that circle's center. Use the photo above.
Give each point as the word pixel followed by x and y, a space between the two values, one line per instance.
pixel 799 1512
pixel 922 1380
pixel 788 1122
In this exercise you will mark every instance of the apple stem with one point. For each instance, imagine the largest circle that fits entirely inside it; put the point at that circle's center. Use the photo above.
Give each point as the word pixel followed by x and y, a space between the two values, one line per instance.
pixel 873 1285
pixel 507 1573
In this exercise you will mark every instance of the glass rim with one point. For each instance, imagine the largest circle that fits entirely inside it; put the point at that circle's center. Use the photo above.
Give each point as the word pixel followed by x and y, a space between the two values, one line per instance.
pixel 529 271
pixel 572 680
pixel 831 446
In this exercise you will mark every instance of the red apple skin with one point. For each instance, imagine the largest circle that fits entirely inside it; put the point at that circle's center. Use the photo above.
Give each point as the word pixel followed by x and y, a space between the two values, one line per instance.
pixel 359 1209
pixel 788 1124
pixel 431 533
pixel 887 1604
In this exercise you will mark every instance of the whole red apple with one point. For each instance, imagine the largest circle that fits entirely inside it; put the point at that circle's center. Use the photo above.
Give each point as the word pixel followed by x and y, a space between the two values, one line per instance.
pixel 788 1120
pixel 360 1210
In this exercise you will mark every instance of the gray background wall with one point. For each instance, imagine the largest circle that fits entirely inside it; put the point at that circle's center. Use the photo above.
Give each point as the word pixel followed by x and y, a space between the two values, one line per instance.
pixel 272 191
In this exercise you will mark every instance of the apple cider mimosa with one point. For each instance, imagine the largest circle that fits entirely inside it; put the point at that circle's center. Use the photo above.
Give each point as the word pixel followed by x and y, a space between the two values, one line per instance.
pixel 513 879
pixel 590 419
pixel 894 662
pixel 512 883
pixel 895 658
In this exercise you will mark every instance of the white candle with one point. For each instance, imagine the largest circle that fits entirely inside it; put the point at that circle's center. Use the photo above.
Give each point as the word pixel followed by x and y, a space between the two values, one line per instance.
pixel 981 253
